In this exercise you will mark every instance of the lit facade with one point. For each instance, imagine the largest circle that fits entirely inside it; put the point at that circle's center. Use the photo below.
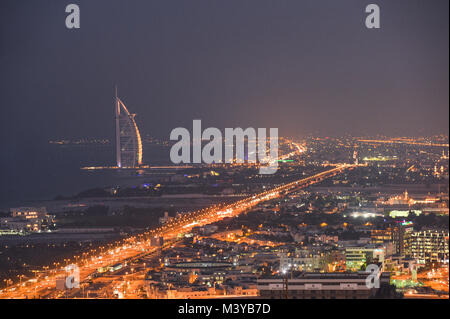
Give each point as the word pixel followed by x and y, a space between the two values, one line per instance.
pixel 358 257
pixel 27 219
pixel 128 138
pixel 428 246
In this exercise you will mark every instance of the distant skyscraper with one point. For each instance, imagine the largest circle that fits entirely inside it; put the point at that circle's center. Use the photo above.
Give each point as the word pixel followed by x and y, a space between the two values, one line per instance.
pixel 355 156
pixel 128 138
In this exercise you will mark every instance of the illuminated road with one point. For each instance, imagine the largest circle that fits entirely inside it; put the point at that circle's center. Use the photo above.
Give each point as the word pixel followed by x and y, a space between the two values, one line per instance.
pixel 399 141
pixel 139 246
pixel 298 149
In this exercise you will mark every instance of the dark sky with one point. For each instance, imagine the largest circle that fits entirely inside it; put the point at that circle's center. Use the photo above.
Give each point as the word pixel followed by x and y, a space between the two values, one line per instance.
pixel 302 66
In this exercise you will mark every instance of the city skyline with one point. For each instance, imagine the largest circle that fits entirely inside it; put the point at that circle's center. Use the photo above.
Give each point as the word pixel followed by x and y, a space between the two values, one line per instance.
pixel 228 151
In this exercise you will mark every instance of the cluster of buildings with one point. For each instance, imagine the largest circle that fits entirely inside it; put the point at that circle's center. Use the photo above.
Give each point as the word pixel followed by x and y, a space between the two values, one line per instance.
pixel 201 268
pixel 282 260
pixel 23 220
pixel 208 267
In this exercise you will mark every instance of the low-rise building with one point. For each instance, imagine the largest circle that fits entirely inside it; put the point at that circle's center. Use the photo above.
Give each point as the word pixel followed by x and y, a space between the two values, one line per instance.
pixel 321 286
pixel 27 219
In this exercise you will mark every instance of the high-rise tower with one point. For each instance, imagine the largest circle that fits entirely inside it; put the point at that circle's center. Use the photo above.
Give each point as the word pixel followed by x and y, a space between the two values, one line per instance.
pixel 128 138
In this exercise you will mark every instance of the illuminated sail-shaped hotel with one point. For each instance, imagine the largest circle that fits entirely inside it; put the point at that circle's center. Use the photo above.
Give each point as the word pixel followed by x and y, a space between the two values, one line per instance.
pixel 128 138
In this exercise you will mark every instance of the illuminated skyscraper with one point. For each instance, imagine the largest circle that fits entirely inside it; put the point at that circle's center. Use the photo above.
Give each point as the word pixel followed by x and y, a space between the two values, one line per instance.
pixel 128 138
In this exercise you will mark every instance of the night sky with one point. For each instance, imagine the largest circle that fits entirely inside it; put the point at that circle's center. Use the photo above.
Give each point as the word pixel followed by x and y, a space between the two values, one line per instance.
pixel 302 66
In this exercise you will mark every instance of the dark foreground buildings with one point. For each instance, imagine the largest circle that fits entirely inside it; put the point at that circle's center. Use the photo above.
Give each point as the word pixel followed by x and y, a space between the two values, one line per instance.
pixel 325 286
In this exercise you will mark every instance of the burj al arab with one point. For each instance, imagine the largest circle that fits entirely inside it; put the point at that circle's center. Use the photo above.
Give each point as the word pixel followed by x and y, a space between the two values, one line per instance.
pixel 128 138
